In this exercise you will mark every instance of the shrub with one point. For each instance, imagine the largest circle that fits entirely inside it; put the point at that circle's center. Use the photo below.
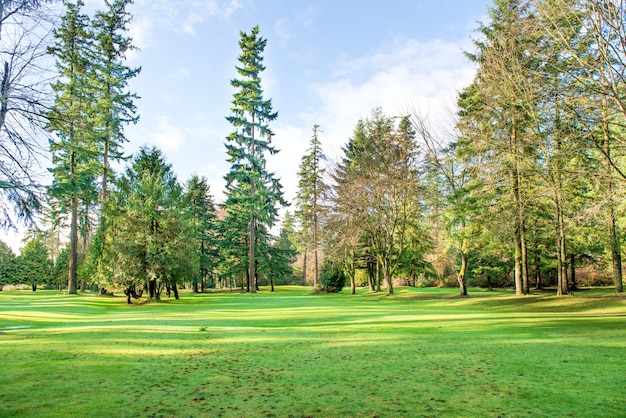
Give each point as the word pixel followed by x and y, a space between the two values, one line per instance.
pixel 332 278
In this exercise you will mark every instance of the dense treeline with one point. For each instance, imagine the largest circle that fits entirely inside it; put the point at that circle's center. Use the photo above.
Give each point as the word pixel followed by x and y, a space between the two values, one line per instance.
pixel 523 191
pixel 528 188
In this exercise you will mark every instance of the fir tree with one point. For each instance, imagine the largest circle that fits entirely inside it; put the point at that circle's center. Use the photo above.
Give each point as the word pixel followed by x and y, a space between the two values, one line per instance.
pixel 247 146
pixel 311 188
pixel 74 150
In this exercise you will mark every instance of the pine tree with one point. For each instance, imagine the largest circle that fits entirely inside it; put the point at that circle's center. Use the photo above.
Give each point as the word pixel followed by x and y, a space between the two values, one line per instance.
pixel 35 267
pixel 74 151
pixel 112 75
pixel 247 146
pixel 311 189
pixel 204 222
pixel 150 235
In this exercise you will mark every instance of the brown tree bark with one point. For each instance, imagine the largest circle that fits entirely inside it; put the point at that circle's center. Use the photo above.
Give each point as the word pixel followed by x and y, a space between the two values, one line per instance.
pixel 71 282
pixel 461 275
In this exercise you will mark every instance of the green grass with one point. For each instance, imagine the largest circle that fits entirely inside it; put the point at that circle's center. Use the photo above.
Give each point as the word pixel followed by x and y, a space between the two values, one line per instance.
pixel 421 352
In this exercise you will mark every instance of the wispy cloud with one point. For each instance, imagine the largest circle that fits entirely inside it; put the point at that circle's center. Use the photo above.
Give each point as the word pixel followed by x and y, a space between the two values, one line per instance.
pixel 403 73
pixel 167 136
pixel 180 16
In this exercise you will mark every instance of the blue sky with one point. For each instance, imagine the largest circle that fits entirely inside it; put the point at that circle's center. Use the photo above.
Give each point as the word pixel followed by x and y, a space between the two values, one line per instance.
pixel 329 62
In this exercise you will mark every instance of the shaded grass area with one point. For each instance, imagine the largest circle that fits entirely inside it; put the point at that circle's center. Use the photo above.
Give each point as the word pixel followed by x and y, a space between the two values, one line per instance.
pixel 418 353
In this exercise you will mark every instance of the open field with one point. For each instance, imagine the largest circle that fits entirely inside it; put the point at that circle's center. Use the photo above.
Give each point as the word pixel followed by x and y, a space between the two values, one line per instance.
pixel 418 353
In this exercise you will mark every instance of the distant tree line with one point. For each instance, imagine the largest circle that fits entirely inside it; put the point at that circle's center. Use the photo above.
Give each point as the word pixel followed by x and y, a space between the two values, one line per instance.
pixel 526 188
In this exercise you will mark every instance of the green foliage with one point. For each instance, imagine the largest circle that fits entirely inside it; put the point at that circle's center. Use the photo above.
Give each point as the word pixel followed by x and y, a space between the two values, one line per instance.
pixel 376 202
pixel 72 120
pixel 312 190
pixel 35 267
pixel 115 106
pixel 60 269
pixel 199 202
pixel 282 253
pixel 333 278
pixel 253 192
pixel 8 265
pixel 149 236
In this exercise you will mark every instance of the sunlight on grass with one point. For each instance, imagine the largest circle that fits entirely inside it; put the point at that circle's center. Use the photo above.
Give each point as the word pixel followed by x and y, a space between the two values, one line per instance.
pixel 422 352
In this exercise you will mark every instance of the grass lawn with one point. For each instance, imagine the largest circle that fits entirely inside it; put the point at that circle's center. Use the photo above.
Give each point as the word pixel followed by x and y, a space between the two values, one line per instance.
pixel 292 354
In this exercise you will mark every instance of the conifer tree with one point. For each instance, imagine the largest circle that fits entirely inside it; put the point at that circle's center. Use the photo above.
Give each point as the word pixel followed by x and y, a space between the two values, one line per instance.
pixel 311 188
pixel 74 150
pixel 247 146
pixel 112 75
pixel 204 223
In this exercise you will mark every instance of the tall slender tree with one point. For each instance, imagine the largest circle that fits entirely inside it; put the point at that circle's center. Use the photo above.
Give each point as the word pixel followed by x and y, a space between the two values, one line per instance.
pixel 311 189
pixel 249 143
pixel 74 150
pixel 116 106
pixel 204 222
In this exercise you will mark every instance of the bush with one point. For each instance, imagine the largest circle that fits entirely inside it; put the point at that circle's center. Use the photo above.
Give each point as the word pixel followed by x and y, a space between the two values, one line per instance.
pixel 333 279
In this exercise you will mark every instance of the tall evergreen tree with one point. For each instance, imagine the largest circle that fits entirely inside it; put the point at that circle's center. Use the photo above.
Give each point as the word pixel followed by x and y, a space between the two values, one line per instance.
pixel 311 188
pixel 112 75
pixel 34 265
pixel 248 144
pixel 204 222
pixel 74 150
pixel 150 235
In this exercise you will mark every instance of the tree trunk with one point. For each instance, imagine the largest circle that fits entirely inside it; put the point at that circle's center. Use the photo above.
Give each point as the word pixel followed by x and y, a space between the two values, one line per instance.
pixel 378 277
pixel 525 280
pixel 105 169
pixel 388 279
pixel 271 283
pixel 71 282
pixel 315 269
pixel 82 286
pixel 519 285
pixel 616 253
pixel 34 287
pixel 175 289
pixel 521 263
pixel 371 274
pixel 252 237
pixel 304 282
pixel 538 270
pixel 461 276
pixel 152 289
pixel 572 266
pixel 252 264
pixel 563 287
pixel 352 283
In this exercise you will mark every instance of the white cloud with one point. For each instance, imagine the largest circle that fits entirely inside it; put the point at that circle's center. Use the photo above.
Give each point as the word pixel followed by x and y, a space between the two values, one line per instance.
pixel 181 16
pixel 402 74
pixel 292 141
pixel 167 136
pixel 179 74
